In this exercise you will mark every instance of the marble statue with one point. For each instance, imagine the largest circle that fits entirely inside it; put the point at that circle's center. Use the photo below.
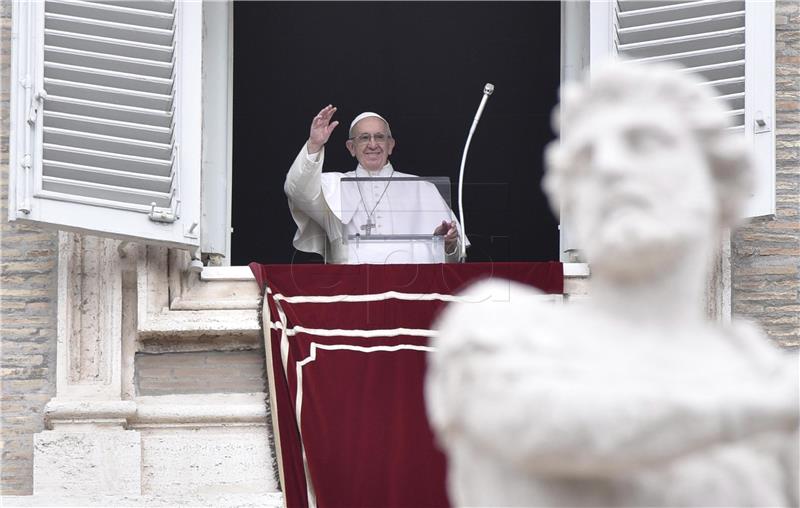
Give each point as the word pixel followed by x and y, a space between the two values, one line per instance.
pixel 630 397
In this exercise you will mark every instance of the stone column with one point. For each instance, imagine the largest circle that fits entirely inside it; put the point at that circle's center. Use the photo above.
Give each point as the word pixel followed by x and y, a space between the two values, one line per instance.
pixel 88 449
pixel 718 282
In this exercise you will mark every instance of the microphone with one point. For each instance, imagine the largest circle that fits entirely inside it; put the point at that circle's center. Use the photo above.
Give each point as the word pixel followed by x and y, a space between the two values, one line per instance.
pixel 488 89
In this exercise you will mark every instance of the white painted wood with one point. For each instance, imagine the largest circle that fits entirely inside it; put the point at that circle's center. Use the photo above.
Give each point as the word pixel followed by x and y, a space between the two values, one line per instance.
pixel 115 12
pixel 106 105
pixel 217 129
pixel 650 13
pixel 601 32
pixel 760 103
pixel 25 75
pixel 125 179
pixel 133 30
pixel 149 102
pixel 729 44
pixel 88 42
pixel 575 48
pixel 189 102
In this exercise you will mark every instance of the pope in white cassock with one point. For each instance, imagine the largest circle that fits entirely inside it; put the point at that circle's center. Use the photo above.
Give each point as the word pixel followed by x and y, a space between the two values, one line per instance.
pixel 331 213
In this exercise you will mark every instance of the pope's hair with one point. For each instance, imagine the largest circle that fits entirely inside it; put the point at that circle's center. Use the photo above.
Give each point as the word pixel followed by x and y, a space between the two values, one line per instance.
pixel 627 83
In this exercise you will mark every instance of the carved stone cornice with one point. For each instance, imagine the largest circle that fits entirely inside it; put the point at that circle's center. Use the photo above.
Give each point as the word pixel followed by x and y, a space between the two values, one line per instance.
pixel 60 412
pixel 203 410
pixel 177 305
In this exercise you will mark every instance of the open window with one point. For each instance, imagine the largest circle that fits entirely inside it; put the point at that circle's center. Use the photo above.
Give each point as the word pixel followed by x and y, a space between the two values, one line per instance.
pixel 424 66
pixel 121 110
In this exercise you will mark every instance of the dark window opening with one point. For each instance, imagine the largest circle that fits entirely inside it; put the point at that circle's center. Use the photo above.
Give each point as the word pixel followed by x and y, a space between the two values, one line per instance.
pixel 423 66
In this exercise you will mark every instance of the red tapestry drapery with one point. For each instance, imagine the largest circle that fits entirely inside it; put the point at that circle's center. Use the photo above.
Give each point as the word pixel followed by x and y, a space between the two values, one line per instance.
pixel 346 348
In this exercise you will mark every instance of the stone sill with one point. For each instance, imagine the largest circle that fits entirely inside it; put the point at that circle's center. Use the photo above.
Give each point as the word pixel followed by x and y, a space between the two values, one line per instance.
pixel 243 273
pixel 223 302
pixel 265 499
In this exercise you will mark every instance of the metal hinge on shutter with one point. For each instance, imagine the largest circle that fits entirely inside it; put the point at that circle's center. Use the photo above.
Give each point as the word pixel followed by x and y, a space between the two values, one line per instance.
pixel 763 123
pixel 34 102
pixel 158 214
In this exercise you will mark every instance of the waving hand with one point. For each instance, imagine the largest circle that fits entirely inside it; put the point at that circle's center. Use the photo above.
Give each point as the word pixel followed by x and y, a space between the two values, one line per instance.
pixel 321 129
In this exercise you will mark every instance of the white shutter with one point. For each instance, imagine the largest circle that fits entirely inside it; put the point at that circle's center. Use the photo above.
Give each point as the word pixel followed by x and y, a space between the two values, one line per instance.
pixel 730 44
pixel 106 118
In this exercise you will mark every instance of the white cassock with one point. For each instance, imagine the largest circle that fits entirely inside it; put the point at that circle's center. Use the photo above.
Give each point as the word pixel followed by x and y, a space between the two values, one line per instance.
pixel 328 211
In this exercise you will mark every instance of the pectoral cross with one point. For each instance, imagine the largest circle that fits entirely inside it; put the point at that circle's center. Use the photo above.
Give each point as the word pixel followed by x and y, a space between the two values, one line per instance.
pixel 368 227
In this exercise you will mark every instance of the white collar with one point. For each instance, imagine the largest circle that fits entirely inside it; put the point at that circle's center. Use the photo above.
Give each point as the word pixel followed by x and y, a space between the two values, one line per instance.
pixel 386 170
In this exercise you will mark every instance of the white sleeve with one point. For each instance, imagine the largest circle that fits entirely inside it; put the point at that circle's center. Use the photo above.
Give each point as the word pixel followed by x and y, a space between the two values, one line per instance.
pixel 303 183
pixel 310 211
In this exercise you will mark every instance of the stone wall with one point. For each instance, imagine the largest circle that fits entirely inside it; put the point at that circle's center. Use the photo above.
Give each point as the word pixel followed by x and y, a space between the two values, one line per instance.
pixel 766 254
pixel 27 304
pixel 201 372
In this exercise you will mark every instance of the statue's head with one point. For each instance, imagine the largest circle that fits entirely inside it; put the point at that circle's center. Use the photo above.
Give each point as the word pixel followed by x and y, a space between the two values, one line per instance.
pixel 645 166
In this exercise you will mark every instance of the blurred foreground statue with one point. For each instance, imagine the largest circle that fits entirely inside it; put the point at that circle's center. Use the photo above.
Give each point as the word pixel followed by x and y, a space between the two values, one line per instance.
pixel 631 398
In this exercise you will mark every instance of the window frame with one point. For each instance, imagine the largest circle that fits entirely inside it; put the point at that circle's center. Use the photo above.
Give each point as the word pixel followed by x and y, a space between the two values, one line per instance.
pixel 217 151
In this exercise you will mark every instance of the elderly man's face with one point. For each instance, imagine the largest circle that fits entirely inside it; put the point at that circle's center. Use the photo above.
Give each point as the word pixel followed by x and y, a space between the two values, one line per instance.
pixel 641 189
pixel 366 146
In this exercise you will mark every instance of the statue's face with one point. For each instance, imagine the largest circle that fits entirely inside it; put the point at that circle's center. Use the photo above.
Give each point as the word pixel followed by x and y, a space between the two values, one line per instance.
pixel 641 190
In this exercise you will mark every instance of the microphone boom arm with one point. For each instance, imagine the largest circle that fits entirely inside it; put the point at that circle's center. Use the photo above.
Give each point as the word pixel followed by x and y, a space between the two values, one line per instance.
pixel 487 91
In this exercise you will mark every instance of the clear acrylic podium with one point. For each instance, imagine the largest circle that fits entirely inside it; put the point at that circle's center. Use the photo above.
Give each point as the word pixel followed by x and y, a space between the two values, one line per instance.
pixel 392 219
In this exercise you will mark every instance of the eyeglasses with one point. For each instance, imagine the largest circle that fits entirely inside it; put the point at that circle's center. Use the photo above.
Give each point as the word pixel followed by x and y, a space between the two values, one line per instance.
pixel 379 138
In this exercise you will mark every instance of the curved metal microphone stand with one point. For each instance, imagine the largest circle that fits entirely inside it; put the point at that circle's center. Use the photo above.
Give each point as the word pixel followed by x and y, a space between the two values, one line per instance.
pixel 487 91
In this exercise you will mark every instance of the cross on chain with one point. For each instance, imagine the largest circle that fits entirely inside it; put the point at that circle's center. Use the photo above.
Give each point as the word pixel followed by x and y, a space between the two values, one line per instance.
pixel 368 226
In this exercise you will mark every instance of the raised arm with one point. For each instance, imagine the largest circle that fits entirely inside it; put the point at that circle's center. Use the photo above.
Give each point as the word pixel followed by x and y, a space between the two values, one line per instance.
pixel 321 129
pixel 303 181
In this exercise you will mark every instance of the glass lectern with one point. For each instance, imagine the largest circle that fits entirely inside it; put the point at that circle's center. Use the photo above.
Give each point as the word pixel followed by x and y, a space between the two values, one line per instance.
pixel 391 220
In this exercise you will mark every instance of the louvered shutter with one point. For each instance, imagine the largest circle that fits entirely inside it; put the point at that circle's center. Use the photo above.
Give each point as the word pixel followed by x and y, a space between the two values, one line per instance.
pixel 107 123
pixel 730 44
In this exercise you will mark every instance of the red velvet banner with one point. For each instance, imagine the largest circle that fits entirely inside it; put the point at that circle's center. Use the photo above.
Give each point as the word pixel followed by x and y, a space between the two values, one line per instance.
pixel 346 351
